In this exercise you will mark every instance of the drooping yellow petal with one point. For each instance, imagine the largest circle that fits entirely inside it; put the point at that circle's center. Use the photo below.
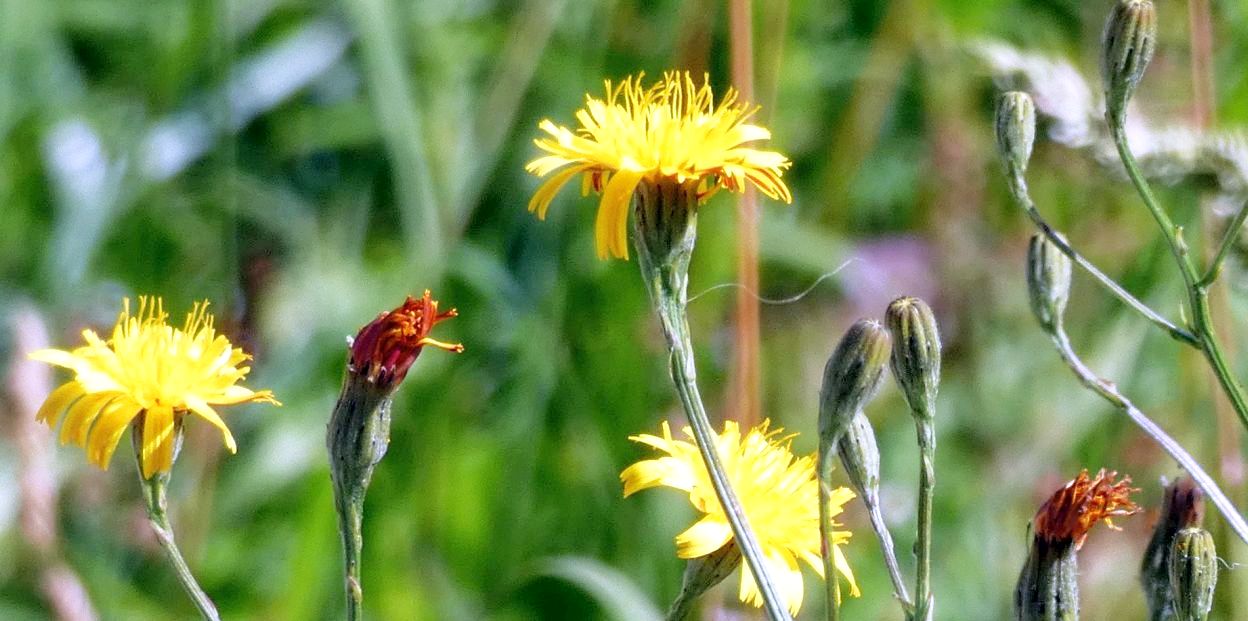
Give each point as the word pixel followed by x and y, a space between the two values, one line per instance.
pixel 58 401
pixel 777 490
pixel 158 439
pixel 611 227
pixel 671 129
pixel 704 537
pixel 146 365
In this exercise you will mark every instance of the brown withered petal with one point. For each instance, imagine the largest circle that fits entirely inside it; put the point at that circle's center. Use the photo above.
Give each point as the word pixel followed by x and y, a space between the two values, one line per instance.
pixel 386 348
pixel 1072 511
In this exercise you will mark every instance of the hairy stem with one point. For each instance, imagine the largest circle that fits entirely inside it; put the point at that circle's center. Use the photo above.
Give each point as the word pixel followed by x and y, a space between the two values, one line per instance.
pixel 923 542
pixel 1109 391
pixel 158 516
pixel 1018 187
pixel 1197 289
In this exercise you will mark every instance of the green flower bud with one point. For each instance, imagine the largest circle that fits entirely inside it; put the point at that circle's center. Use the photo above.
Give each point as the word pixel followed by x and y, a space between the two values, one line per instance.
pixel 1048 586
pixel 916 353
pixel 1193 574
pixel 851 377
pixel 701 574
pixel 1182 507
pixel 1048 281
pixel 1126 48
pixel 860 456
pixel 1016 129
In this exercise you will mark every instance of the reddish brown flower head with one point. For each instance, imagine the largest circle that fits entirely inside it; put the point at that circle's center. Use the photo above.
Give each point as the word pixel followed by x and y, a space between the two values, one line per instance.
pixel 1071 512
pixel 386 348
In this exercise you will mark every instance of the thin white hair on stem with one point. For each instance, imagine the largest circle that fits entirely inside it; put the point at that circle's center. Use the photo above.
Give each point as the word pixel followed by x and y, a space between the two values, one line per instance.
pixel 778 301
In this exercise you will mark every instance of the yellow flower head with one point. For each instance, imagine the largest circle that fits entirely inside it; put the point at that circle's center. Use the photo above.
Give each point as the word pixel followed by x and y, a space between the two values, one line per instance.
pixel 147 368
pixel 778 491
pixel 669 130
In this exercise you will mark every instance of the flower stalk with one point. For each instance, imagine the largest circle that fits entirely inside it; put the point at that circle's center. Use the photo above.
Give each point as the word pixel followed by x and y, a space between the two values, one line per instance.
pixel 915 363
pixel 665 228
pixel 358 433
pixel 851 379
pixel 156 503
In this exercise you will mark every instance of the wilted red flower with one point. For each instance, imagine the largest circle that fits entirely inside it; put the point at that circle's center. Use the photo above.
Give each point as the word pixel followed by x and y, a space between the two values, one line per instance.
pixel 1070 513
pixel 386 348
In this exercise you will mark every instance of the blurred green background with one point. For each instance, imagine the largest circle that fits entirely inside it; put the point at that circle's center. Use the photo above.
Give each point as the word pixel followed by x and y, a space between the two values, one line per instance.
pixel 304 164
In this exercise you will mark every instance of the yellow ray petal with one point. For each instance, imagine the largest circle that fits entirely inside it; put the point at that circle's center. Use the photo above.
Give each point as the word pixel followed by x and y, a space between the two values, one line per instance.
pixel 158 440
pixel 106 433
pixel 705 536
pixel 80 416
pixel 56 403
pixel 206 412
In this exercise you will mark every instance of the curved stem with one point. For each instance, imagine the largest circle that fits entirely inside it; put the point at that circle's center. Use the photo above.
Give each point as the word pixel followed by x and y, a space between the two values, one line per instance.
pixel 1018 188
pixel 1108 391
pixel 1224 248
pixel 876 517
pixel 1197 288
pixel 158 517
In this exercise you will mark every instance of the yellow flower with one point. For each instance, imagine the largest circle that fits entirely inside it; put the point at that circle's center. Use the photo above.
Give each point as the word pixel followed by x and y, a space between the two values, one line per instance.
pixel 147 369
pixel 670 130
pixel 778 491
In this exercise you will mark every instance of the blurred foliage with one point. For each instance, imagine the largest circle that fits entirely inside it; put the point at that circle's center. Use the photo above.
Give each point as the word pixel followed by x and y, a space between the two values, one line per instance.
pixel 304 164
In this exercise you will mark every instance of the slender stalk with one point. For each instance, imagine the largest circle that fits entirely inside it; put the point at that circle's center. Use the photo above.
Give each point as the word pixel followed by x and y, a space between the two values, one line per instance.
pixel 1109 391
pixel 1197 291
pixel 882 534
pixel 685 378
pixel 359 433
pixel 1018 187
pixel 158 516
pixel 1228 241
pixel 923 542
pixel 831 585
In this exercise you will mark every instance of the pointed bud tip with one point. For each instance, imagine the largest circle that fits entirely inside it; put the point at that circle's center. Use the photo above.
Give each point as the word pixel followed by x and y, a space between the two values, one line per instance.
pixel 852 376
pixel 1126 48
pixel 915 359
pixel 1016 129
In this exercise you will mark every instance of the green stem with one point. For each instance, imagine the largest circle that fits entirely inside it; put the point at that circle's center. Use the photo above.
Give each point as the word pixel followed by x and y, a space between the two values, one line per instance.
pixel 685 378
pixel 158 516
pixel 665 229
pixel 1109 391
pixel 1228 241
pixel 1018 188
pixel 358 435
pixel 1197 289
pixel 831 584
pixel 923 543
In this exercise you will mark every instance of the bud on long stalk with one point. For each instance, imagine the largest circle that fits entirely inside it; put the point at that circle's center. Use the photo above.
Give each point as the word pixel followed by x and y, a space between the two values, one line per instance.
pixel 916 367
pixel 1193 574
pixel 1016 130
pixel 1048 281
pixel 850 379
pixel 916 353
pixel 1126 49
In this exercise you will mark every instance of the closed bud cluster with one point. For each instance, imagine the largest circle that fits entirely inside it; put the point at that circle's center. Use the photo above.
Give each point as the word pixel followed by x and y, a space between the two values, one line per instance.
pixel 1016 130
pixel 1193 574
pixel 1048 281
pixel 851 377
pixel 1126 49
pixel 916 353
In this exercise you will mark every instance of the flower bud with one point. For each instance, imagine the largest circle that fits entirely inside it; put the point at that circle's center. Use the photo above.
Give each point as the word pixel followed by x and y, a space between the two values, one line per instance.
pixel 1193 574
pixel 1016 129
pixel 702 573
pixel 1182 507
pixel 860 456
pixel 1048 281
pixel 851 377
pixel 916 353
pixel 1126 48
